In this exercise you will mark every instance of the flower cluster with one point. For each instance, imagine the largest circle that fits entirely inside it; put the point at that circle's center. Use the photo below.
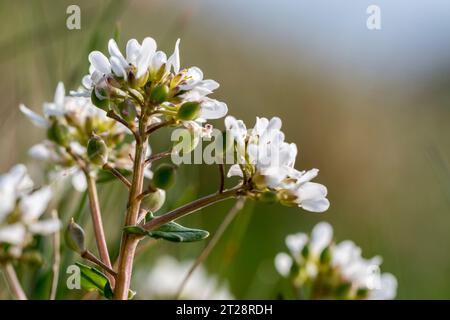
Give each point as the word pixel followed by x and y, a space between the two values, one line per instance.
pixel 321 269
pixel 145 83
pixel 70 123
pixel 165 278
pixel 21 206
pixel 266 163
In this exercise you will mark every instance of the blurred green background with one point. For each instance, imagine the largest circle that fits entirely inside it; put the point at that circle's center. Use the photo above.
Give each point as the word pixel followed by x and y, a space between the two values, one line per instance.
pixel 370 109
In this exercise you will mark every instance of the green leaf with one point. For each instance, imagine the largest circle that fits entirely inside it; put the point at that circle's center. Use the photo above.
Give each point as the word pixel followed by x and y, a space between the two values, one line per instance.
pixel 92 279
pixel 171 231
pixel 175 232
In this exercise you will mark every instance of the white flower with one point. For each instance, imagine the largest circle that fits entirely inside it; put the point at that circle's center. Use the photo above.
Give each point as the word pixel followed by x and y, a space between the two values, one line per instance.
pixel 21 208
pixel 164 280
pixel 342 265
pixel 270 162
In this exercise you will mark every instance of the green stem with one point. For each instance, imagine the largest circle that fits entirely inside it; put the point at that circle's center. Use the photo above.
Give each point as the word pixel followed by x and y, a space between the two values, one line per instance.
pixel 191 207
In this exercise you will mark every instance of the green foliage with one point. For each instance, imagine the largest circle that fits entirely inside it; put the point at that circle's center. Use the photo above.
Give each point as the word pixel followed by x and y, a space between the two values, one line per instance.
pixel 171 231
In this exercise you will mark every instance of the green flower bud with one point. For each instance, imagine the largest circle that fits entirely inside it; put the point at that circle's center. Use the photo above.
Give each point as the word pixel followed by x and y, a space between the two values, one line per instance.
pixel 99 103
pixel 58 133
pixel 343 290
pixel 74 236
pixel 127 110
pixel 97 150
pixel 325 256
pixel 154 201
pixel 189 111
pixel 164 176
pixel 159 94
pixel 268 196
pixel 305 252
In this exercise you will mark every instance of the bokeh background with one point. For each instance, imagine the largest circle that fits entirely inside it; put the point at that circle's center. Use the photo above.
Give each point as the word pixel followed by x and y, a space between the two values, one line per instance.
pixel 370 109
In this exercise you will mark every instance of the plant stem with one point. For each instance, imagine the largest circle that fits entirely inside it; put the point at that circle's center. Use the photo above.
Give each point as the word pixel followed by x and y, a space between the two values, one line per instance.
pixel 56 260
pixel 212 243
pixel 100 239
pixel 190 208
pixel 117 174
pixel 13 282
pixel 92 258
pixel 129 242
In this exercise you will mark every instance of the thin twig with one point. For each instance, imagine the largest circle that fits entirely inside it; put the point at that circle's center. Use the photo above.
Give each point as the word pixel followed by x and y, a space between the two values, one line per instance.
pixel 212 243
pixel 99 233
pixel 56 260
pixel 153 127
pixel 13 282
pixel 222 177
pixel 191 207
pixel 92 258
pixel 117 174
pixel 111 114
pixel 157 156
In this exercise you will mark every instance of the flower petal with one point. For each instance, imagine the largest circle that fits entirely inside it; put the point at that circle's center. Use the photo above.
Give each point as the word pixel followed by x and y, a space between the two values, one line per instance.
pixel 79 181
pixel 45 227
pixel 174 60
pixel 34 117
pixel 283 264
pixel 13 234
pixel 99 61
pixel 32 206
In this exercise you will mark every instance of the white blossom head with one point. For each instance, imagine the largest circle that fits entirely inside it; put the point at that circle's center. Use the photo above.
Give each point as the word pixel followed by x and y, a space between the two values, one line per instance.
pixel 21 208
pixel 145 78
pixel 326 270
pixel 266 162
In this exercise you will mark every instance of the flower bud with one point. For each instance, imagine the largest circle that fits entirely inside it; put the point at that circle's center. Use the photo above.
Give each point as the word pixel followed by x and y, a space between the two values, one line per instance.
pixel 127 110
pixel 58 133
pixel 189 111
pixel 268 196
pixel 74 236
pixel 159 94
pixel 97 150
pixel 325 256
pixel 99 103
pixel 164 176
pixel 154 201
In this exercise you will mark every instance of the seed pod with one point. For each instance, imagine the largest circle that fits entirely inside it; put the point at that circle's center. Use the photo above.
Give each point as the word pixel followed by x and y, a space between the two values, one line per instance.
pixel 164 176
pixel 99 103
pixel 97 150
pixel 189 111
pixel 154 201
pixel 159 94
pixel 58 133
pixel 74 236
pixel 127 110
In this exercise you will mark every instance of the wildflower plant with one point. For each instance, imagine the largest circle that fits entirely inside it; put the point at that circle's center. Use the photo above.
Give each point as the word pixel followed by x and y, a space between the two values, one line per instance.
pixel 104 129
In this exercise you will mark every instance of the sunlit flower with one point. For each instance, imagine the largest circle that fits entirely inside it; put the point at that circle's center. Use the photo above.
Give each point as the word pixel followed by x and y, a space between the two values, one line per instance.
pixel 21 206
pixel 144 74
pixel 267 162
pixel 164 279
pixel 315 264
